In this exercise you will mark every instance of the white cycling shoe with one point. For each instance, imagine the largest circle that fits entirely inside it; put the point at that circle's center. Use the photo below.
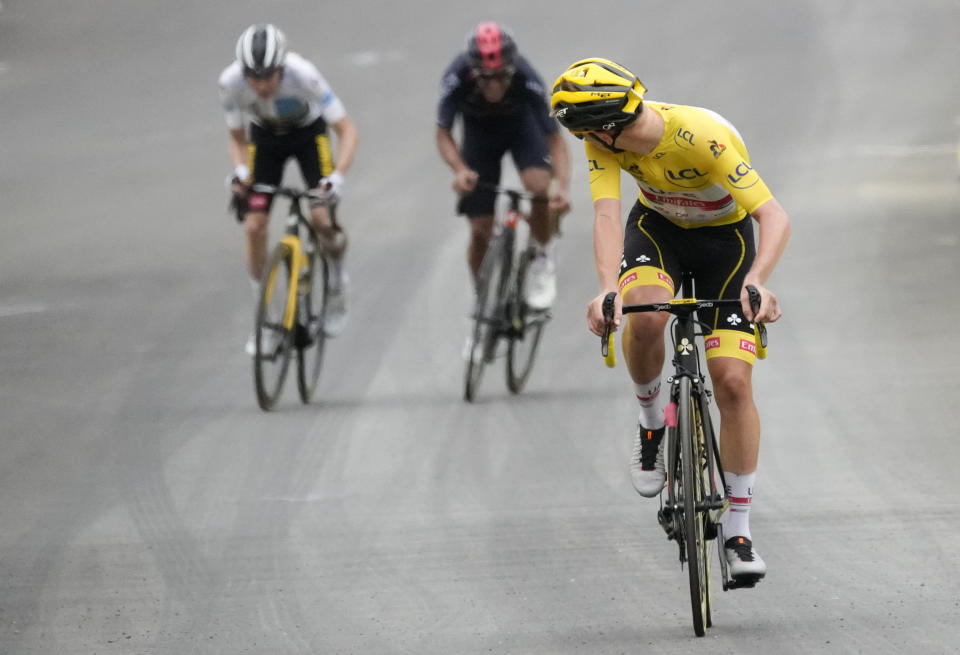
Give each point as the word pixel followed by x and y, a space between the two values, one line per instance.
pixel 647 472
pixel 335 315
pixel 271 339
pixel 540 286
pixel 743 560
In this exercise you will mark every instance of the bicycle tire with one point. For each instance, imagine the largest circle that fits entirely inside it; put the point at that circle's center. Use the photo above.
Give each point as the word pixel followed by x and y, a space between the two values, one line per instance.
pixel 486 316
pixel 525 332
pixel 693 520
pixel 273 341
pixel 708 531
pixel 310 338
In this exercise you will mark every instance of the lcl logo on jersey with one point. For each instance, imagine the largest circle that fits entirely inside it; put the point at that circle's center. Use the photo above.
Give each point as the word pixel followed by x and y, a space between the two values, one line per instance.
pixel 685 174
pixel 684 135
pixel 737 178
pixel 686 177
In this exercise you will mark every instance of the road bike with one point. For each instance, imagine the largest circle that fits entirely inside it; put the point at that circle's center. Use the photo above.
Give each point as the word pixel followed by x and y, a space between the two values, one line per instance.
pixel 695 487
pixel 292 304
pixel 500 311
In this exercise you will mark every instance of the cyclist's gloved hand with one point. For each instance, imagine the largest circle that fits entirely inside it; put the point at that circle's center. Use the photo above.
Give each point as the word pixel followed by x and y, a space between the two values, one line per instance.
pixel 465 180
pixel 332 186
pixel 237 182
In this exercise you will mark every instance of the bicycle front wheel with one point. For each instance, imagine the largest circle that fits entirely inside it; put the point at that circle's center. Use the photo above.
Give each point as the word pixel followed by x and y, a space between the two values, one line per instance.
pixel 694 519
pixel 273 339
pixel 491 284
pixel 525 332
pixel 310 338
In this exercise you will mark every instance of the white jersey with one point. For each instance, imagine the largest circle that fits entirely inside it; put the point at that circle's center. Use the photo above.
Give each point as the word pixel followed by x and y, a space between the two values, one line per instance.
pixel 303 97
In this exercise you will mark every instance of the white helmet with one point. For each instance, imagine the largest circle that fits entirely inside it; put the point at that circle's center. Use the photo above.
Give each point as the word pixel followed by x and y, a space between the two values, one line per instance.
pixel 261 50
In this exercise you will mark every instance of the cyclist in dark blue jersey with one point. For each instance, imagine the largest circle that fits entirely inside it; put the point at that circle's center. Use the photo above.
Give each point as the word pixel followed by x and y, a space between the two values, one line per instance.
pixel 504 107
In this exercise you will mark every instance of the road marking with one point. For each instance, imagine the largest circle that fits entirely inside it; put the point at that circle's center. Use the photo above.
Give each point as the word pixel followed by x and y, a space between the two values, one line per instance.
pixel 19 310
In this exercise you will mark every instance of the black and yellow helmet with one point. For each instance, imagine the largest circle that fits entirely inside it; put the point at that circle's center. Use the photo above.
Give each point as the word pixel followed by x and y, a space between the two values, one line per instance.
pixel 595 94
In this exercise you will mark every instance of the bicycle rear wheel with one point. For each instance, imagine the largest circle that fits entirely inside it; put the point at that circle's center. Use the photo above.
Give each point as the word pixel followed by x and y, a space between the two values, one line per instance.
pixel 273 340
pixel 694 520
pixel 525 332
pixel 486 316
pixel 310 338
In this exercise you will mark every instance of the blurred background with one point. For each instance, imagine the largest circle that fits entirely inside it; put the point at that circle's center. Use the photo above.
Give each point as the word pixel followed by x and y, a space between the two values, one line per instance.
pixel 148 506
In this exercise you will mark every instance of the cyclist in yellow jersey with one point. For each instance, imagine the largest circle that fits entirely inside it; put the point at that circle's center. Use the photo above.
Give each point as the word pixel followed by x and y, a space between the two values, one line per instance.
pixel 698 198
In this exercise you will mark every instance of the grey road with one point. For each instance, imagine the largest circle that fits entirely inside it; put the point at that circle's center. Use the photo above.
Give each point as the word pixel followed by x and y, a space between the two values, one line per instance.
pixel 148 506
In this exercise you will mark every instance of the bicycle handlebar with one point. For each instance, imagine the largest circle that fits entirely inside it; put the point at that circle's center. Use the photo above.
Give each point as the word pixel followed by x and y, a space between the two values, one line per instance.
pixel 678 307
pixel 294 194
pixel 513 193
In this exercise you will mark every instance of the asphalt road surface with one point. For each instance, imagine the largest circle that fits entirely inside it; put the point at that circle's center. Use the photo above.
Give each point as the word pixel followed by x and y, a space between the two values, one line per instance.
pixel 148 506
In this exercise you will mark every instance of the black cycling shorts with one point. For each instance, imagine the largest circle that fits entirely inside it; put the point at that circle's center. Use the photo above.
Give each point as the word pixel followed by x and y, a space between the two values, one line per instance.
pixel 657 252
pixel 269 153
pixel 487 140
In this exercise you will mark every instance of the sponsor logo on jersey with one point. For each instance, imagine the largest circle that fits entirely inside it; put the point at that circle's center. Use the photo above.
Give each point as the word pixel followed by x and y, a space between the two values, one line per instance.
pixel 740 178
pixel 716 148
pixel 684 135
pixel 684 174
pixel 711 343
pixel 748 346
pixel 594 166
pixel 733 319
pixel 677 201
pixel 627 280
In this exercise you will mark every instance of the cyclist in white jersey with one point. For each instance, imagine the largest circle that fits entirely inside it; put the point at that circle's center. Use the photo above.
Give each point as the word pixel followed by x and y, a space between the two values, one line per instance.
pixel 278 106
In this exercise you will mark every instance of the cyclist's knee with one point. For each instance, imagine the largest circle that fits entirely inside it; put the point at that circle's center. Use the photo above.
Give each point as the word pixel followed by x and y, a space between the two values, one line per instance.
pixel 646 327
pixel 732 384
pixel 535 180
pixel 256 224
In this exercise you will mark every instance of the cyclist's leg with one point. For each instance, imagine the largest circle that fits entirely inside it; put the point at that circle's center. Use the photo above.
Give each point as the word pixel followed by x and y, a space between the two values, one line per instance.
pixel 315 158
pixel 730 353
pixel 481 229
pixel 482 150
pixel 266 167
pixel 531 155
pixel 316 162
pixel 647 272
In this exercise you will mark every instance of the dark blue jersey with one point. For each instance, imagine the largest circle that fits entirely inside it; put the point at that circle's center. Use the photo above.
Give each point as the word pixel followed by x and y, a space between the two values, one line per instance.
pixel 459 95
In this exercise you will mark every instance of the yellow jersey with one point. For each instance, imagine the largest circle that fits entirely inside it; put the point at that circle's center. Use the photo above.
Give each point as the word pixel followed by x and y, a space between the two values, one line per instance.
pixel 698 175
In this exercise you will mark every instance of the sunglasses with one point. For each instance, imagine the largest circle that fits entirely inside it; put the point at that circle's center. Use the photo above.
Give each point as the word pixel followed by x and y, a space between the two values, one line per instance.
pixel 264 74
pixel 488 75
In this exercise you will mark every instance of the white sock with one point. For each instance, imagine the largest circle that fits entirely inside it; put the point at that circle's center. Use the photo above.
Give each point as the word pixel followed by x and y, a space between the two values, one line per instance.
pixel 736 520
pixel 337 273
pixel 652 404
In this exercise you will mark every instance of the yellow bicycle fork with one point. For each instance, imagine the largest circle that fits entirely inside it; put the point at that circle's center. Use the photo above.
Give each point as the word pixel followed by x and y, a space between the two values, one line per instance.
pixel 297 262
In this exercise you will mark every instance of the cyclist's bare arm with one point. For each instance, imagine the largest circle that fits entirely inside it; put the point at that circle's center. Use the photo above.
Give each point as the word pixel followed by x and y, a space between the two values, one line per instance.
pixel 464 179
pixel 346 143
pixel 560 161
pixel 237 147
pixel 607 253
pixel 773 234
